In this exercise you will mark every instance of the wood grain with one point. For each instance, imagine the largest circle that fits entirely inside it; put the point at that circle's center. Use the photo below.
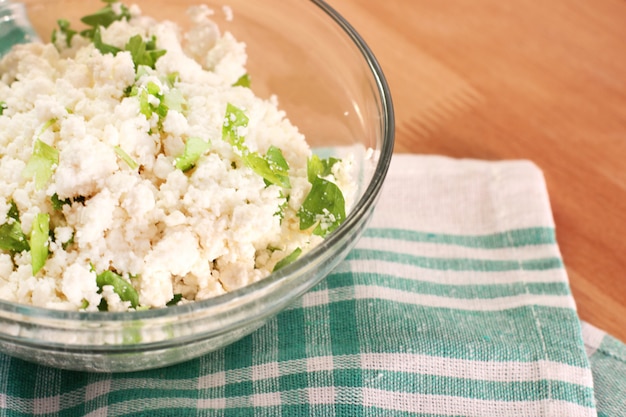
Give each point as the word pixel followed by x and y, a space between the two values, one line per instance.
pixel 544 81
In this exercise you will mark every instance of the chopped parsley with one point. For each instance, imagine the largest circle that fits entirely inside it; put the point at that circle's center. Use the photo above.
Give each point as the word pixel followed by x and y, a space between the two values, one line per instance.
pixel 125 157
pixel 194 149
pixel 317 167
pixel 3 107
pixel 243 81
pixel 104 48
pixel 324 207
pixel 175 300
pixel 39 241
pixel 272 167
pixel 121 287
pixel 57 203
pixel 152 100
pixel 66 30
pixel 12 238
pixel 41 164
pixel 144 53
pixel 106 15
pixel 288 259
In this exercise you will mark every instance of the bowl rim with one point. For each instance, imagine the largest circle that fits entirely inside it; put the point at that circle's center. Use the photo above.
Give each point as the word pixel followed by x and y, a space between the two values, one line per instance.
pixel 361 208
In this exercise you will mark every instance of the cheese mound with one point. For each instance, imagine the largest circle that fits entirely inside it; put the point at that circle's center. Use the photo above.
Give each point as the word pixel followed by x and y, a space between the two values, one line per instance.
pixel 122 204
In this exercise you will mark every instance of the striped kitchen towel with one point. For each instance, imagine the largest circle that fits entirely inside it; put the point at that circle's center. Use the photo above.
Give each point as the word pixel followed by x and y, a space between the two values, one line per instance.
pixel 454 303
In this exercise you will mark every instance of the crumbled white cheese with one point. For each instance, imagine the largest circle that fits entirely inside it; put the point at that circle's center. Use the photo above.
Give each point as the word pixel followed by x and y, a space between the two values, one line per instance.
pixel 197 233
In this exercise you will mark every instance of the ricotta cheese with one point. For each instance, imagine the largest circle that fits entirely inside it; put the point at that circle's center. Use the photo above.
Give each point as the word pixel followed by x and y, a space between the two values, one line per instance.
pixel 96 141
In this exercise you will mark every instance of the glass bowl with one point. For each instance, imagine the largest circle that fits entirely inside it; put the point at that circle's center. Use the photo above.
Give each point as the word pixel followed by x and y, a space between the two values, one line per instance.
pixel 331 87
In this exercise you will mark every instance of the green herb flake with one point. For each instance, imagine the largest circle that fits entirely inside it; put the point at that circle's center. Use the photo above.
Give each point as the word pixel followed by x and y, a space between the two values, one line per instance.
pixel 288 259
pixel 271 173
pixel 317 167
pixel 104 48
pixel 324 207
pixel 279 168
pixel 283 207
pixel 125 157
pixel 69 243
pixel 64 28
pixel 12 237
pixel 174 100
pixel 143 53
pixel 3 107
pixel 175 300
pixel 243 81
pixel 120 286
pixel 144 104
pixel 272 167
pixel 41 164
pixel 171 79
pixel 39 236
pixel 57 203
pixel 234 121
pixel 194 149
pixel 107 15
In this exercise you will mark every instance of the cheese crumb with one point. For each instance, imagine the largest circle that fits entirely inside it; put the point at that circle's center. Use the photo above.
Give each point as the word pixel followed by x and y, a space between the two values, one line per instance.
pixel 116 199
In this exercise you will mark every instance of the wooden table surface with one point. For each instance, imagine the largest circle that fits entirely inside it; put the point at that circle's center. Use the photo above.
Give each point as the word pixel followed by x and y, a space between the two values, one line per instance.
pixel 544 81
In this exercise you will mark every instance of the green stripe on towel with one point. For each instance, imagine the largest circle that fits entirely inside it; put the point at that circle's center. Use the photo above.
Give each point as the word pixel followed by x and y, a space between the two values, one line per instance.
pixel 508 239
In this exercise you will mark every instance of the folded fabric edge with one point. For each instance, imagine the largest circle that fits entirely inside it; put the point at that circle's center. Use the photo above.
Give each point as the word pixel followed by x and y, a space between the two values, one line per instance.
pixel 607 357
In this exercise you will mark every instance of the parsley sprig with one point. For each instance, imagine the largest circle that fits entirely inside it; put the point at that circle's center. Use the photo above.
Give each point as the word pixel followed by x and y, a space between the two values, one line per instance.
pixel 324 207
pixel 143 52
pixel 12 238
pixel 272 166
pixel 41 164
pixel 121 287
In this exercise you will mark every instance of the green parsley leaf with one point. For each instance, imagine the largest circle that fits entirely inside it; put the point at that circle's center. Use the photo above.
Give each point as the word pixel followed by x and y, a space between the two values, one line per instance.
pixel 234 120
pixel 171 79
pixel 57 203
pixel 39 241
pixel 287 259
pixel 324 206
pixel 13 213
pixel 125 157
pixel 174 100
pixel 103 306
pixel 144 104
pixel 317 167
pixel 3 107
pixel 69 243
pixel 243 81
pixel 283 207
pixel 143 53
pixel 12 237
pixel 175 300
pixel 153 89
pixel 279 168
pixel 41 164
pixel 271 173
pixel 64 28
pixel 194 148
pixel 272 167
pixel 104 48
pixel 120 286
pixel 105 16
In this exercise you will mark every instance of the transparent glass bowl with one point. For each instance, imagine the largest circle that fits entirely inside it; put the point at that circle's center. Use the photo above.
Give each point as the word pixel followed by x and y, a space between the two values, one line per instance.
pixel 332 88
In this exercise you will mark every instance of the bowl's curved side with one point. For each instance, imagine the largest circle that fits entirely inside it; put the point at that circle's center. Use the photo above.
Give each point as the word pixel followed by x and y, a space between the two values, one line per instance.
pixel 337 94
